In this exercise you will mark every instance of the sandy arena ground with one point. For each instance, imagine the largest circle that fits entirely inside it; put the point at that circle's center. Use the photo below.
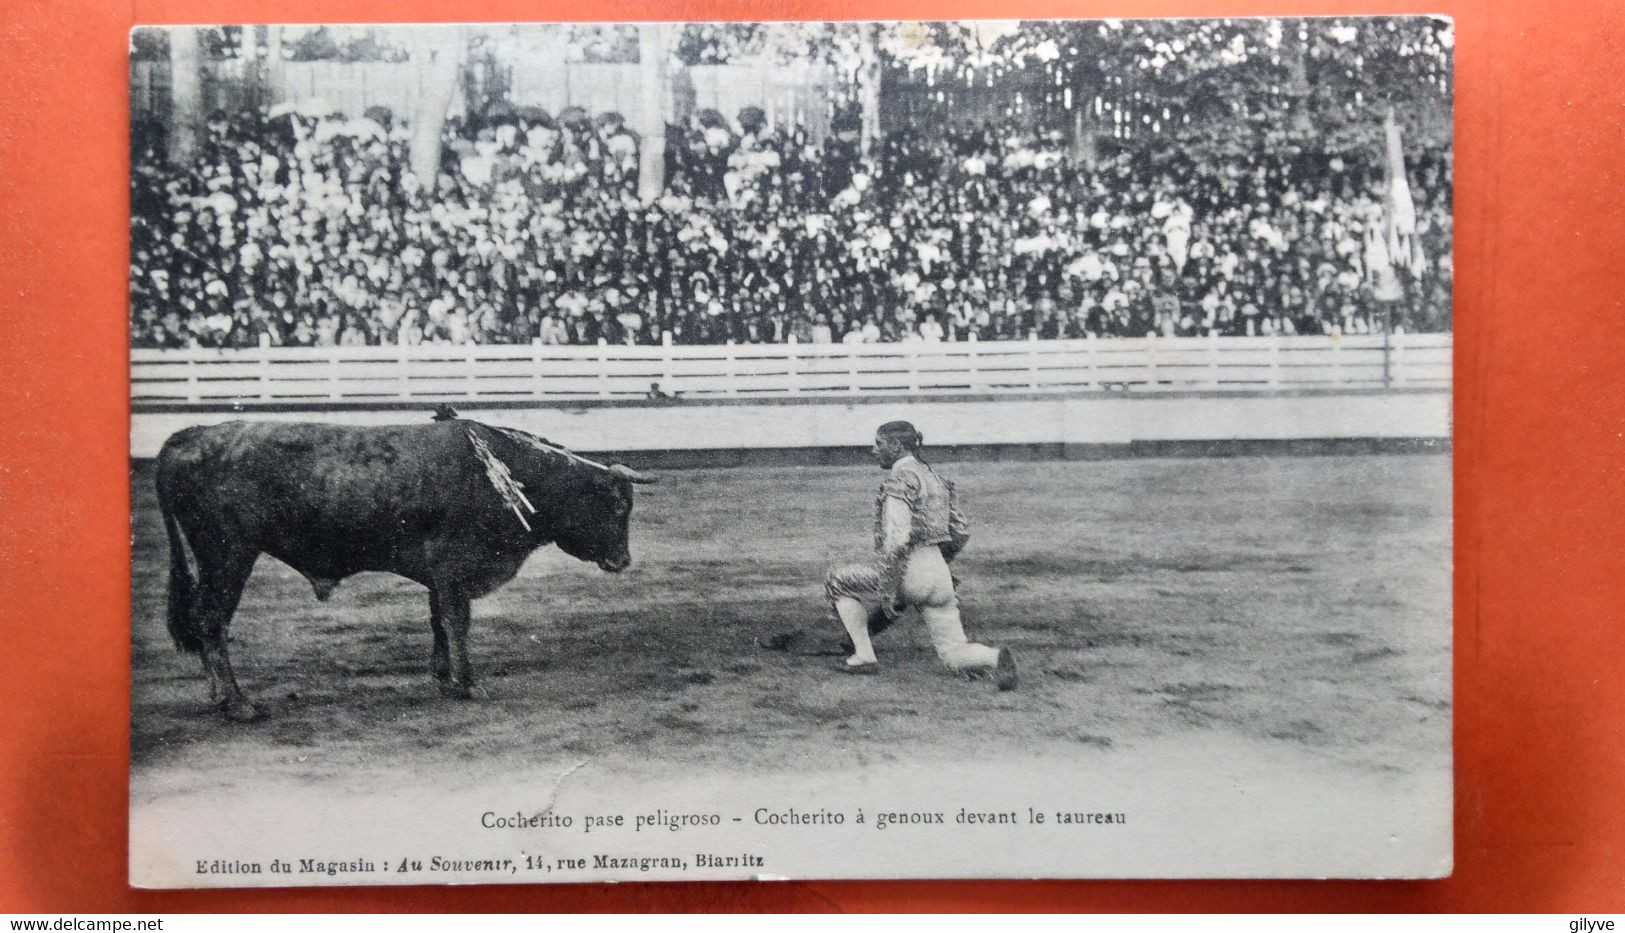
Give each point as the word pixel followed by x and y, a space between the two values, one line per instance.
pixel 1300 603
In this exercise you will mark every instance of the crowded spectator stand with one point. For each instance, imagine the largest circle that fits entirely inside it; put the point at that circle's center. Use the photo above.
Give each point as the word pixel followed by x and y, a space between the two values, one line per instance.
pixel 293 224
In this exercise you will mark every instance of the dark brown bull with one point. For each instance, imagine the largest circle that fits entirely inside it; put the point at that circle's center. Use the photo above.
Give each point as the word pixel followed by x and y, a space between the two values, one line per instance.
pixel 415 500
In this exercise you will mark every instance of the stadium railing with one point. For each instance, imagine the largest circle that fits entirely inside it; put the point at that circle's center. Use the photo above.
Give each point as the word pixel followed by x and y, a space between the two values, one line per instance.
pixel 363 375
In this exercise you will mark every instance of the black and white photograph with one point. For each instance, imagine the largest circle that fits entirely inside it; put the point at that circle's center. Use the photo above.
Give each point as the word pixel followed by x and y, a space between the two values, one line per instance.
pixel 790 450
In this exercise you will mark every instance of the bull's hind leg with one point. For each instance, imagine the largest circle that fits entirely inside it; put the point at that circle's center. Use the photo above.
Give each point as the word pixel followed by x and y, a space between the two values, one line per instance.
pixel 220 586
pixel 454 617
pixel 440 656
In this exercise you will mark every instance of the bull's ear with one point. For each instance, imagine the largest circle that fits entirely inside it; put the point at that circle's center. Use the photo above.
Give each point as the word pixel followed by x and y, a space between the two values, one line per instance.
pixel 627 473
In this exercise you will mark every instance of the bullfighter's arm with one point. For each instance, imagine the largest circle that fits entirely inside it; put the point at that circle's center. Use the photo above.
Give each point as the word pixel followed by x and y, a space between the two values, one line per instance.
pixel 897 526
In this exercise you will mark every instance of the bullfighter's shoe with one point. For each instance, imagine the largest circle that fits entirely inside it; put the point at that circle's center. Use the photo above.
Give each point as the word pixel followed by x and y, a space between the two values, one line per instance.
pixel 1004 673
pixel 862 668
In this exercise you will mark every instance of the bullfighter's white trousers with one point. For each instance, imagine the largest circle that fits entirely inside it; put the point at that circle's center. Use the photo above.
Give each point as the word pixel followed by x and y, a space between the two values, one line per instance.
pixel 926 586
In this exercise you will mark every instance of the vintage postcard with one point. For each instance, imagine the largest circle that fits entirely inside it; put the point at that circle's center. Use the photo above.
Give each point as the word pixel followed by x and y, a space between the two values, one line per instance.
pixel 573 453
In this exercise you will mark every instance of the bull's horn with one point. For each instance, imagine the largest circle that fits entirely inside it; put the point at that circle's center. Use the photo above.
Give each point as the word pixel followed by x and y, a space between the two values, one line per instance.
pixel 627 473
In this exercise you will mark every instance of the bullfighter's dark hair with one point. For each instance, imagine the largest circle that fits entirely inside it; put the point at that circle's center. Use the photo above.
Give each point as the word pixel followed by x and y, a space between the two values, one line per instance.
pixel 903 431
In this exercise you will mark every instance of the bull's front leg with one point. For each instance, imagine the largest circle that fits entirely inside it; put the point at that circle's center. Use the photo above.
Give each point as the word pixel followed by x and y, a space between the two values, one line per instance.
pixel 454 618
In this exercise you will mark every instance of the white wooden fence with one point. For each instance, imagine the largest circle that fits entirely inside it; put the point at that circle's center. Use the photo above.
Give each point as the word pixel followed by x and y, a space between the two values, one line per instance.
pixel 367 375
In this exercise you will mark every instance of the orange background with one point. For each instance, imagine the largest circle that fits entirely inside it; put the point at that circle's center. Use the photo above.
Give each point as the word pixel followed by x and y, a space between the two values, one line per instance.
pixel 1539 471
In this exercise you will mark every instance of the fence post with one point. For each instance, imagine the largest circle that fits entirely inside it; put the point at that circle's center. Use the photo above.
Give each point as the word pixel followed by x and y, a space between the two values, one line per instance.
pixel 404 375
pixel 333 373
pixel 1399 358
pixel 1337 358
pixel 1213 351
pixel 851 351
pixel 1032 359
pixel 470 364
pixel 792 374
pixel 1151 360
pixel 1275 359
pixel 536 366
pixel 731 371
pixel 265 369
pixel 912 351
pixel 667 372
pixel 971 359
pixel 191 378
pixel 603 368
pixel 1387 345
pixel 1089 378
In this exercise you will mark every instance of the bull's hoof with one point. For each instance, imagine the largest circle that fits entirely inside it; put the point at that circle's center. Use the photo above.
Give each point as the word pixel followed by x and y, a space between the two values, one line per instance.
pixel 459 691
pixel 239 710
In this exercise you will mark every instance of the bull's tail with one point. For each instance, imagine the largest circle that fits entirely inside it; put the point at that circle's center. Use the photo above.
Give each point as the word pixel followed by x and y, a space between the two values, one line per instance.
pixel 183 627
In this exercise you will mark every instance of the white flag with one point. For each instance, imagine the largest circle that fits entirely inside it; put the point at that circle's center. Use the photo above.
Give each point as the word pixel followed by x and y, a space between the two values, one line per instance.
pixel 1399 210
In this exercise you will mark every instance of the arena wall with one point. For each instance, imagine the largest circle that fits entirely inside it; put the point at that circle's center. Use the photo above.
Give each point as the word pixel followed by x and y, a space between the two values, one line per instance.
pixel 1082 424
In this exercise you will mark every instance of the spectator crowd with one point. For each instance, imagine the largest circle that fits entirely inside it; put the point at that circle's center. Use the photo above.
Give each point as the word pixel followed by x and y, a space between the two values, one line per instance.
pixel 308 230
